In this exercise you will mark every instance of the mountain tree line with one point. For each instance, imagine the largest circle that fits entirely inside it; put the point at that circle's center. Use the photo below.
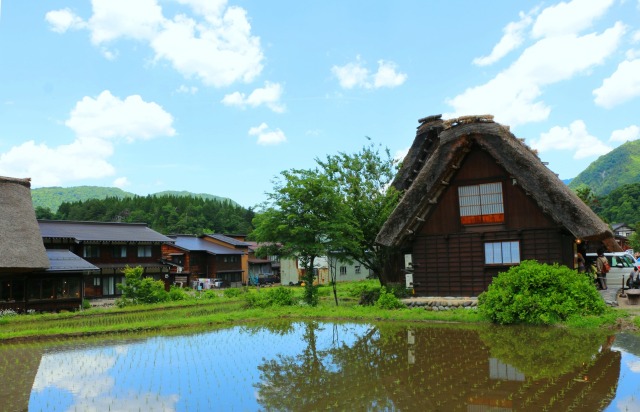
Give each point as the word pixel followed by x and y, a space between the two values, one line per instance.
pixel 166 214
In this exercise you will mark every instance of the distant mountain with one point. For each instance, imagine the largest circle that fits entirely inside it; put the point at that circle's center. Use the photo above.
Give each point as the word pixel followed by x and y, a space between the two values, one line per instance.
pixel 619 167
pixel 53 197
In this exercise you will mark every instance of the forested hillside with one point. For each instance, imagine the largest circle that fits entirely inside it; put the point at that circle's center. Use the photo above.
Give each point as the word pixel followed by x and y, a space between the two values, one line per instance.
pixel 52 197
pixel 619 167
pixel 622 205
pixel 166 214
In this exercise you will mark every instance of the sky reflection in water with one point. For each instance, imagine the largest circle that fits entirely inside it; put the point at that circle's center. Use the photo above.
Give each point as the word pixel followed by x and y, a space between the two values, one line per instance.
pixel 326 366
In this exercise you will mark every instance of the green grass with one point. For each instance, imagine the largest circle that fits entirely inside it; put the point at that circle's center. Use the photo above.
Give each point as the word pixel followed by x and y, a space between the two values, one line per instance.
pixel 198 313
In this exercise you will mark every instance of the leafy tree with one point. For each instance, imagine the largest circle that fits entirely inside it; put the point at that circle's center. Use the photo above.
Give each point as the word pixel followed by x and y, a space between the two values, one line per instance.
pixel 43 213
pixel 304 217
pixel 363 180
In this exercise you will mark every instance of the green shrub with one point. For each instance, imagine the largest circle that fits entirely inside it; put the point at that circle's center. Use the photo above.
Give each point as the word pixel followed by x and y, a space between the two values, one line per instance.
pixel 325 291
pixel 358 289
pixel 209 294
pixel 388 300
pixel 539 294
pixel 177 293
pixel 137 289
pixel 232 293
pixel 279 296
pixel 86 304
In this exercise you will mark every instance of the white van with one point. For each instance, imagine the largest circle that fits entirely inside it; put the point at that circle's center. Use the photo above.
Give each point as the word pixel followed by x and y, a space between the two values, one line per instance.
pixel 621 265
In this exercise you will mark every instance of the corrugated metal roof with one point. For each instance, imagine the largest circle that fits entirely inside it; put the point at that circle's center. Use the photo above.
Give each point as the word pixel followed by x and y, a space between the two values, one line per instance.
pixel 63 260
pixel 100 231
pixel 227 239
pixel 194 243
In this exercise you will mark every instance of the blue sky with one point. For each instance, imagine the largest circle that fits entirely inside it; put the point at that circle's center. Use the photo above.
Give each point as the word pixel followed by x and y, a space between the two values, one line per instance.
pixel 219 97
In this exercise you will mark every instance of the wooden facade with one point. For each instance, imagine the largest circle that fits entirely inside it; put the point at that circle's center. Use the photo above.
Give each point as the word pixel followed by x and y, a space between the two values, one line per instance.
pixel 477 201
pixel 112 247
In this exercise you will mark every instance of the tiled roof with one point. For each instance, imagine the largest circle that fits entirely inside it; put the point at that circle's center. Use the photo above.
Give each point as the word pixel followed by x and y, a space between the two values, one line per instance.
pixel 63 260
pixel 227 239
pixel 100 231
pixel 194 243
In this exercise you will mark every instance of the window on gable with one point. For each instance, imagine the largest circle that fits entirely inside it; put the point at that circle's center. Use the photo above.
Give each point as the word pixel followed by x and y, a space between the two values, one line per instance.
pixel 501 253
pixel 481 204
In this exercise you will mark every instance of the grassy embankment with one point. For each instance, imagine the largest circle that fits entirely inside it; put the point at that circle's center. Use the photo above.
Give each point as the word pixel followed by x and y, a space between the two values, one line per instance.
pixel 221 310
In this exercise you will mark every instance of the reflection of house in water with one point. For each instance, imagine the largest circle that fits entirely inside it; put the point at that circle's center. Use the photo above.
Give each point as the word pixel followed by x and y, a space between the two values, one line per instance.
pixel 450 368
pixel 18 368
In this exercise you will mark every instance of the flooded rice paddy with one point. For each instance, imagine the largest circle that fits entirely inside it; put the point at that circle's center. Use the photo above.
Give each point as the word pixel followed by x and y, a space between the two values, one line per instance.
pixel 309 366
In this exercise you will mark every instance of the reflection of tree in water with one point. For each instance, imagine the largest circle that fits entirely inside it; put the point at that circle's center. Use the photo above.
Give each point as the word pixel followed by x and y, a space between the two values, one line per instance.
pixel 438 368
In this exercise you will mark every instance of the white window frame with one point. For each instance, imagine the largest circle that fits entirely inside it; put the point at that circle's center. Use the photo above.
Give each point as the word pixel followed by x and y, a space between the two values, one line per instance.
pixel 343 270
pixel 502 252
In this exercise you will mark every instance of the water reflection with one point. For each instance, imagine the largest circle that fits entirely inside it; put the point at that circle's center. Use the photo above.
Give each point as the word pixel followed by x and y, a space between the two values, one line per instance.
pixel 328 366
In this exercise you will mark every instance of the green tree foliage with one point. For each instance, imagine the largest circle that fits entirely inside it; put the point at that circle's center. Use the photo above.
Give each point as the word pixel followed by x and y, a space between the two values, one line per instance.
pixel 540 294
pixel 304 217
pixel 53 197
pixel 622 205
pixel 165 214
pixel 138 289
pixel 620 166
pixel 363 181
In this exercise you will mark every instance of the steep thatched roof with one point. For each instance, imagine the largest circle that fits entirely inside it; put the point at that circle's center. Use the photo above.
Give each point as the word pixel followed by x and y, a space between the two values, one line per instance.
pixel 20 240
pixel 437 153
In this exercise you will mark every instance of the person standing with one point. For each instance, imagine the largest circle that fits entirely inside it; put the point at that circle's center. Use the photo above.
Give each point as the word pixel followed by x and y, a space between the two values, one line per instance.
pixel 601 270
pixel 634 279
pixel 581 262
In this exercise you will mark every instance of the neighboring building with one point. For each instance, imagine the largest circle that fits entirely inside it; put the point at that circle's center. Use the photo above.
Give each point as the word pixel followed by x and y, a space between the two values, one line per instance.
pixel 111 247
pixel 622 229
pixel 32 278
pixel 236 242
pixel 266 268
pixel 292 271
pixel 477 201
pixel 195 257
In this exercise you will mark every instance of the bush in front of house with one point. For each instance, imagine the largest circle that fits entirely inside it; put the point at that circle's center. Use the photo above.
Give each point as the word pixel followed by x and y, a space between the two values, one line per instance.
pixel 138 289
pixel 232 292
pixel 388 300
pixel 539 294
pixel 178 293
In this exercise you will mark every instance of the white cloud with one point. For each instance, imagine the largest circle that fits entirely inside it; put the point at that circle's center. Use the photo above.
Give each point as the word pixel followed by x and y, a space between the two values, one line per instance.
pixel 219 50
pixel 512 96
pixel 63 20
pixel 269 95
pixel 354 74
pixel 121 182
pixel 623 85
pixel 513 37
pixel 267 136
pixel 108 117
pixel 98 123
pixel 85 158
pixel 569 17
pixel 187 89
pixel 574 138
pixel 625 135
pixel 112 19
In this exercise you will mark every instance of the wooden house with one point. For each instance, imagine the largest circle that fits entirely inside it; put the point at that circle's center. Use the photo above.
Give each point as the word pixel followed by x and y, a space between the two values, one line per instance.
pixel 476 201
pixel 194 257
pixel 32 278
pixel 111 247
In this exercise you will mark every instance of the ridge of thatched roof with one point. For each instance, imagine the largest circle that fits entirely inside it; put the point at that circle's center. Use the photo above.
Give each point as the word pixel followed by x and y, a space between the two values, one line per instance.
pixel 441 147
pixel 20 240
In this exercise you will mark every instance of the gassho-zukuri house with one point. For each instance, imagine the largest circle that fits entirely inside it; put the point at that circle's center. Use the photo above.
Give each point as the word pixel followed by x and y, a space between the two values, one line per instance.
pixel 476 201
pixel 32 278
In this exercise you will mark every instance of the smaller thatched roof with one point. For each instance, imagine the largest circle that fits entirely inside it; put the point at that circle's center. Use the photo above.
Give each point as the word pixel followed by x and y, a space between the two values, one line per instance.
pixel 438 151
pixel 20 240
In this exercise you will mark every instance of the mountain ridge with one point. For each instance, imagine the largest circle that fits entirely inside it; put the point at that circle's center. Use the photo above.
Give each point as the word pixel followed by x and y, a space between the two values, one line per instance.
pixel 52 197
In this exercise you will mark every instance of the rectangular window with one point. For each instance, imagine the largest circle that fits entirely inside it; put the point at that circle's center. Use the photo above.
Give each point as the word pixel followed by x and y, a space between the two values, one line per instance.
pixel 120 251
pixel 499 253
pixel 91 251
pixel 357 269
pixel 144 251
pixel 96 281
pixel 481 204
pixel 343 270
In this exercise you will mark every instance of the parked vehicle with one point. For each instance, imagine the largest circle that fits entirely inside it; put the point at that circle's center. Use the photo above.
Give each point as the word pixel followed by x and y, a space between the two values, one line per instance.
pixel 621 264
pixel 220 283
